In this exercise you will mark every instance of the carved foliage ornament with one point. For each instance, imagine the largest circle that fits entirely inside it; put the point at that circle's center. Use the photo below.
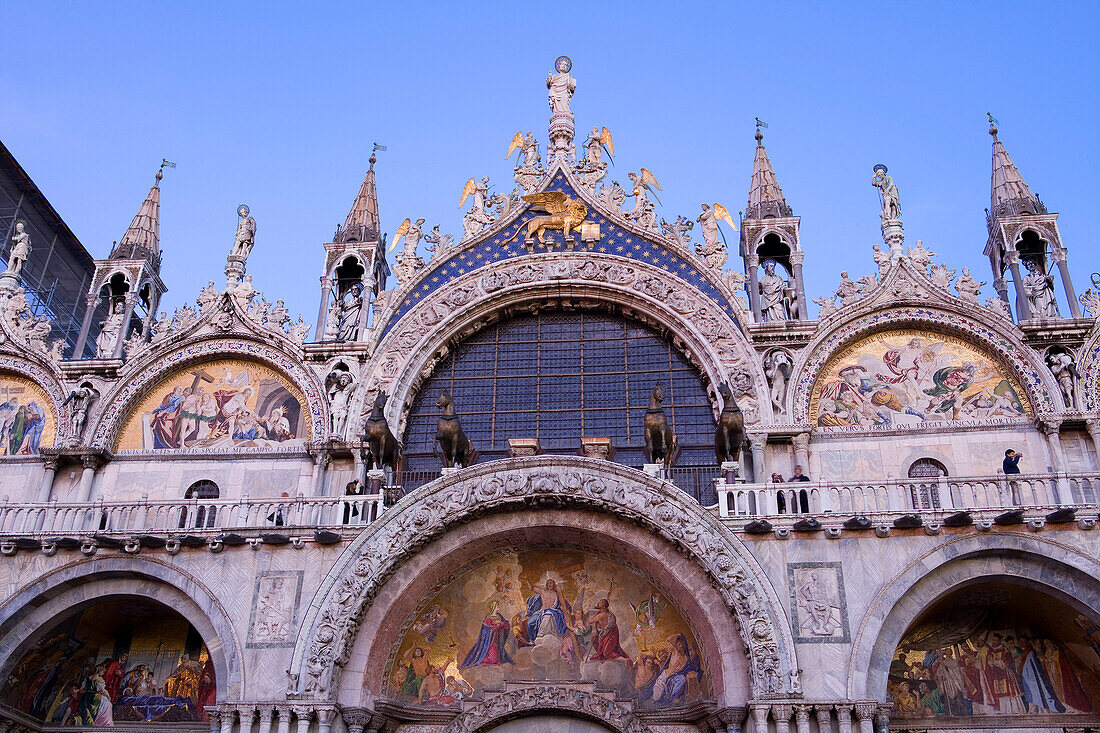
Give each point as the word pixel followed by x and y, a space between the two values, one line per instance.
pixel 572 482
pixel 545 697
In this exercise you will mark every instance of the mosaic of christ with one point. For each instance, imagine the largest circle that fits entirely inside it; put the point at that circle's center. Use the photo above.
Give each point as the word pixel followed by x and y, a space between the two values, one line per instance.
pixel 907 377
pixel 221 404
pixel 547 614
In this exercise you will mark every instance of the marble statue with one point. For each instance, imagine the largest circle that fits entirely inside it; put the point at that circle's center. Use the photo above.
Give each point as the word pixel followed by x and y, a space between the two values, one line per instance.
pixel 592 167
pixel 643 212
pixel 207 298
pixel 243 293
pixel 299 330
pixel 1039 287
pixel 477 218
pixel 849 290
pixel 942 276
pixel 777 369
pixel 277 314
pixel 882 259
pixel 351 306
pixel 332 321
pixel 109 330
pixel 827 306
pixel 438 244
pixel 339 384
pixel 530 148
pixel 713 250
pixel 920 256
pixel 561 86
pixel 82 398
pixel 1065 371
pixel 1090 300
pixel 967 287
pixel 246 233
pixel 773 294
pixel 891 202
pixel 412 237
pixel 162 325
pixel 20 249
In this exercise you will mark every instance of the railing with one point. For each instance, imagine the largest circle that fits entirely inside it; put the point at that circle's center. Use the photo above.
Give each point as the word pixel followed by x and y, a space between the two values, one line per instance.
pixel 187 516
pixel 909 495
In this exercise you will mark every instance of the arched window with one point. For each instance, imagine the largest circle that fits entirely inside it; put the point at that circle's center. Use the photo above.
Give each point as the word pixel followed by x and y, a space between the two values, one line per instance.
pixel 926 495
pixel 560 376
pixel 204 515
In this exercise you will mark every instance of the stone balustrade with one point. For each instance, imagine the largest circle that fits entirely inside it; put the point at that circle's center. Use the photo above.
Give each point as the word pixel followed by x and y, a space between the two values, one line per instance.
pixel 900 496
pixel 186 516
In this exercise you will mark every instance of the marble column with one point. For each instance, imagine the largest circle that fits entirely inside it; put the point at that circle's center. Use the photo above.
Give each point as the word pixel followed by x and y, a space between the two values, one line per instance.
pixel 758 442
pixel 304 715
pixel 324 720
pixel 844 718
pixel 85 326
pixel 1059 256
pixel 246 713
pixel 227 721
pixel 215 717
pixel 284 720
pixel 824 719
pixel 802 718
pixel 865 711
pixel 797 257
pixel 802 451
pixel 1023 307
pixel 760 717
pixel 124 332
pixel 267 723
pixel 1057 459
pixel 45 488
pixel 882 718
pixel 356 719
pixel 752 264
pixel 321 460
pixel 1093 427
pixel 87 476
pixel 782 715
pixel 322 313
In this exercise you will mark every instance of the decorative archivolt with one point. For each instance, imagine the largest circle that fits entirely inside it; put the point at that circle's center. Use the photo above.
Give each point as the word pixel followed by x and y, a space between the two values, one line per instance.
pixel 549 698
pixel 325 640
pixel 710 339
pixel 980 330
pixel 1088 361
pixel 142 375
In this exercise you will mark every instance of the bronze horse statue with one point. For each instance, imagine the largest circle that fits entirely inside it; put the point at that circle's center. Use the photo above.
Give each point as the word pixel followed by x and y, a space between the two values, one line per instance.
pixel 457 448
pixel 660 443
pixel 382 448
pixel 730 434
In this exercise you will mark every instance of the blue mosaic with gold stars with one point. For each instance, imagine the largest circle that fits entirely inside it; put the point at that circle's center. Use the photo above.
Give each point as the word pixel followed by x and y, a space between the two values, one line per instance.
pixel 613 240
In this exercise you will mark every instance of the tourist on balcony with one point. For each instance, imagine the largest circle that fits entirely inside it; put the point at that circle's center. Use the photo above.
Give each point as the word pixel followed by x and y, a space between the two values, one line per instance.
pixel 776 478
pixel 1011 461
pixel 798 475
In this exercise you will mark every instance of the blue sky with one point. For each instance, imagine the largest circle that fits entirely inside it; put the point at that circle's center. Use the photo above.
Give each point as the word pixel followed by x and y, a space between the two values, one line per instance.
pixel 277 105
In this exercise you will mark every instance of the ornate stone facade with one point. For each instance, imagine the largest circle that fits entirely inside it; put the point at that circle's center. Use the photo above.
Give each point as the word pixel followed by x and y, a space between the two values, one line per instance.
pixel 190 535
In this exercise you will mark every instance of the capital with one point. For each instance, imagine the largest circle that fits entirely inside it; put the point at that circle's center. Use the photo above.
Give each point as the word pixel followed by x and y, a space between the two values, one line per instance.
pixel 797 257
pixel 802 714
pixel 801 441
pixel 758 440
pixel 1093 426
pixel 1050 427
pixel 866 709
pixel 1058 254
pixel 89 461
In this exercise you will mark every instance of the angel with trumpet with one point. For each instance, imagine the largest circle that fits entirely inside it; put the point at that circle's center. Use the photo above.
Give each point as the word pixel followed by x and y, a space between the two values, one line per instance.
pixel 643 213
pixel 411 233
pixel 713 251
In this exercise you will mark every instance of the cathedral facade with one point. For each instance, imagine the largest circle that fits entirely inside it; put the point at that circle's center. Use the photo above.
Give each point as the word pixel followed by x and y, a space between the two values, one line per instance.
pixel 575 468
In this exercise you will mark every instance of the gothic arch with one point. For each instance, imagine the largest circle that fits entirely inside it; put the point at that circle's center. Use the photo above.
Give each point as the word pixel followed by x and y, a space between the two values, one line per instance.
pixel 1053 567
pixel 993 338
pixel 31 608
pixel 145 373
pixel 325 641
pixel 712 342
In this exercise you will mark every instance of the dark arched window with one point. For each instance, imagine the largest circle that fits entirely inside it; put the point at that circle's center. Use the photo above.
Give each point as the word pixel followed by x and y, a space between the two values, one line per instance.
pixel 205 515
pixel 559 377
pixel 926 495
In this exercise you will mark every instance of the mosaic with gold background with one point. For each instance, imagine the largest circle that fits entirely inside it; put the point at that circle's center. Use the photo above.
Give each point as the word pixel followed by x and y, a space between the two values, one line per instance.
pixel 26 417
pixel 909 377
pixel 228 403
pixel 547 614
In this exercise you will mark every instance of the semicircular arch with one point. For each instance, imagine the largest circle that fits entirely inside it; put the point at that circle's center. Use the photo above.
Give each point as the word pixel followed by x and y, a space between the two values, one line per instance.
pixel 325 642
pixel 31 609
pixel 28 369
pixel 143 377
pixel 1052 567
pixel 999 344
pixel 712 342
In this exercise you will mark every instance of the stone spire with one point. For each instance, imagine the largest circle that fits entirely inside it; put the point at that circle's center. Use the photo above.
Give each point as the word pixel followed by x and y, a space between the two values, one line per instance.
pixel 142 238
pixel 1010 194
pixel 362 224
pixel 765 196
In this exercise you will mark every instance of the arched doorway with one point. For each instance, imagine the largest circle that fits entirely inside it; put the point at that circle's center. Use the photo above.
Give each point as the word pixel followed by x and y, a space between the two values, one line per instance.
pixel 113 660
pixel 546 723
pixel 925 494
pixel 995 650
